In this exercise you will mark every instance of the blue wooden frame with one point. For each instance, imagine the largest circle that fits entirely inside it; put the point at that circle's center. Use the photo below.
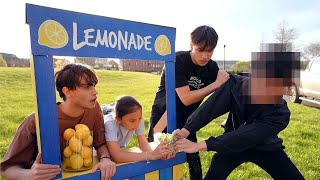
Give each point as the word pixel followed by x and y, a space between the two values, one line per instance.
pixel 83 28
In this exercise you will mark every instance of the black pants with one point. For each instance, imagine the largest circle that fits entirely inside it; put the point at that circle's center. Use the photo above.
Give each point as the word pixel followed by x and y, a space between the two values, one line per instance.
pixel 276 163
pixel 194 162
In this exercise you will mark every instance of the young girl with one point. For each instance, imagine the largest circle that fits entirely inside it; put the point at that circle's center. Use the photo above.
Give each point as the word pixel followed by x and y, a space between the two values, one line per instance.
pixel 119 128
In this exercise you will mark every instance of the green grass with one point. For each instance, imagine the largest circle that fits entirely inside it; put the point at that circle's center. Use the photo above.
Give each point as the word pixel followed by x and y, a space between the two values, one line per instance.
pixel 301 137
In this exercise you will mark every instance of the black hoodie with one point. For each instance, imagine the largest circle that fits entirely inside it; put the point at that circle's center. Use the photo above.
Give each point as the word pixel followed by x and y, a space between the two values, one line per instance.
pixel 259 130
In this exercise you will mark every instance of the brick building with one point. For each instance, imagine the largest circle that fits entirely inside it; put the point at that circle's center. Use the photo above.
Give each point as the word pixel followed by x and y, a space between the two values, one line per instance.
pixel 141 65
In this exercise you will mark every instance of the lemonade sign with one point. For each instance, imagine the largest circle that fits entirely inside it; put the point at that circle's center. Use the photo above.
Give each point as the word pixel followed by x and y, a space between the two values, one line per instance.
pixel 54 35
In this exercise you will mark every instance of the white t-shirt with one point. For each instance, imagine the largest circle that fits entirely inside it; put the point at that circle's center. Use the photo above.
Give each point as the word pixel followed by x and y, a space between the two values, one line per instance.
pixel 116 132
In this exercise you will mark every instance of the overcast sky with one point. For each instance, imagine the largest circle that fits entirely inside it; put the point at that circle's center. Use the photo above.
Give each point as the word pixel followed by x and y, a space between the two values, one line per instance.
pixel 241 24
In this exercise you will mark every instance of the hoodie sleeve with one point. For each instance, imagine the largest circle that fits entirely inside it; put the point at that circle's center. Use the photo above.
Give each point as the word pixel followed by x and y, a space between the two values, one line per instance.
pixel 266 126
pixel 216 105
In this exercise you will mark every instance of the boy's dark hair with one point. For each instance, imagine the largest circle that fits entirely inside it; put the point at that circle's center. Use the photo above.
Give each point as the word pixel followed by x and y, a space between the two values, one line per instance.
pixel 205 37
pixel 125 105
pixel 70 76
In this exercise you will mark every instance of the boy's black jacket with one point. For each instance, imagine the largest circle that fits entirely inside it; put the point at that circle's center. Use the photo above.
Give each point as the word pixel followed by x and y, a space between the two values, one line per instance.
pixel 258 131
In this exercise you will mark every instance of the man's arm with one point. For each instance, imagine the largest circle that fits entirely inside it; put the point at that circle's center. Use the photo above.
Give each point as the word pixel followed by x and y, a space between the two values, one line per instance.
pixel 161 124
pixel 103 152
pixel 188 97
pixel 188 146
pixel 195 95
pixel 15 172
pixel 216 105
pixel 37 171
pixel 245 137
pixel 17 161
pixel 250 135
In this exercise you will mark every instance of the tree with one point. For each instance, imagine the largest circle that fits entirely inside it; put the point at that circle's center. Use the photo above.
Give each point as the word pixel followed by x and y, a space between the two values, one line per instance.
pixel 3 62
pixel 241 66
pixel 60 63
pixel 285 35
pixel 312 50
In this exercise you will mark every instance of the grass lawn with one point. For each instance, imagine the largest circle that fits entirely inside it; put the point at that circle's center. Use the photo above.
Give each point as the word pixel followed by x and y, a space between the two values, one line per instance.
pixel 301 137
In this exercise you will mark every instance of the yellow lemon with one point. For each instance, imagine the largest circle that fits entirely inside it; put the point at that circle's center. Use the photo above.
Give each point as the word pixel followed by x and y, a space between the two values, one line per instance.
pixel 68 133
pixel 66 162
pixel 82 133
pixel 162 45
pixel 86 152
pixel 67 151
pixel 80 126
pixel 76 161
pixel 52 34
pixel 88 141
pixel 75 144
pixel 87 162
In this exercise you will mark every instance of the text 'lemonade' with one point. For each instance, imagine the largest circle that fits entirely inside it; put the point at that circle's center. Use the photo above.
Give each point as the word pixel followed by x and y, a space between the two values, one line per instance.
pixel 52 34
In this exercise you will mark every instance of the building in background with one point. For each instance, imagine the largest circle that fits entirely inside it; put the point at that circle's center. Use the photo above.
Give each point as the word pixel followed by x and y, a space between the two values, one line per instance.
pixel 141 65
pixel 99 63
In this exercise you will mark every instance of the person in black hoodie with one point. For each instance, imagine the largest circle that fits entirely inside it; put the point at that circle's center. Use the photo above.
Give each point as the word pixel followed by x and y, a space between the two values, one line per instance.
pixel 257 113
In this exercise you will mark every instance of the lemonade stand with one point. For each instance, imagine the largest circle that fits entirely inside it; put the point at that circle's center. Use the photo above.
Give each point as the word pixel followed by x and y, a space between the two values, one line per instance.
pixel 66 33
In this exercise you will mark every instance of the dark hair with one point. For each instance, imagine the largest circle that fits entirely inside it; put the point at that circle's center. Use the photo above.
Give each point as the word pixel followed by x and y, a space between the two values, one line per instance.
pixel 205 37
pixel 70 76
pixel 125 105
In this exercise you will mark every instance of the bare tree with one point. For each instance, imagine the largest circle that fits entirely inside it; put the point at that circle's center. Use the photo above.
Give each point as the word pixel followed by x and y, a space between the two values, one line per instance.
pixel 241 66
pixel 3 62
pixel 312 50
pixel 285 35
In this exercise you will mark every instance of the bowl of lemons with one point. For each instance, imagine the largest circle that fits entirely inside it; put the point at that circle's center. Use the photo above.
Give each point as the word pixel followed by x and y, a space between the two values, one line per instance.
pixel 77 155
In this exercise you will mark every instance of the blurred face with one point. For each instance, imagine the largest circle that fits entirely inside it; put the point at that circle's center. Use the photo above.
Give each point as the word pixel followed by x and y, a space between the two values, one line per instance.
pixel 200 55
pixel 266 90
pixel 131 121
pixel 84 96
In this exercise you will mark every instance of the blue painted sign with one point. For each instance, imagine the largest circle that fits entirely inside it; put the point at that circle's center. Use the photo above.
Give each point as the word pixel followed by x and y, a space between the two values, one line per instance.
pixel 55 31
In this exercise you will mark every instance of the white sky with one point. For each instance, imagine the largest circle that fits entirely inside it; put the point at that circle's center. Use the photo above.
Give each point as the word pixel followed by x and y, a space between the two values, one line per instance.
pixel 241 24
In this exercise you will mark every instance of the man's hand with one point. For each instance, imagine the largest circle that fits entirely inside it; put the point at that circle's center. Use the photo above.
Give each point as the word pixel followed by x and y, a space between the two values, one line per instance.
pixel 222 77
pixel 107 168
pixel 186 146
pixel 42 171
pixel 181 133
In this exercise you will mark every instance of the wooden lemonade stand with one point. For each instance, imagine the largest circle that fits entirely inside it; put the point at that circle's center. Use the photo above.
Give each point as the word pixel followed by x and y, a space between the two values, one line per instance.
pixel 56 32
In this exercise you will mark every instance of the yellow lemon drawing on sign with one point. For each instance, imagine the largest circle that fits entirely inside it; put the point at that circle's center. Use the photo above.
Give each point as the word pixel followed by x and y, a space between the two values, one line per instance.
pixel 52 34
pixel 162 45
